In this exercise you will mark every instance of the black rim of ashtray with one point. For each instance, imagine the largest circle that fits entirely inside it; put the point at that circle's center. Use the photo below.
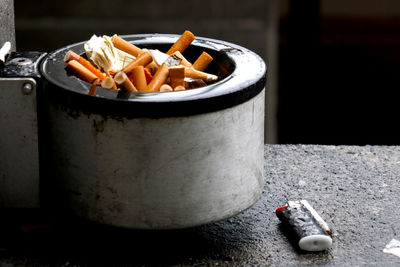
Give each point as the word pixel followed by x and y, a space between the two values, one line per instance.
pixel 246 78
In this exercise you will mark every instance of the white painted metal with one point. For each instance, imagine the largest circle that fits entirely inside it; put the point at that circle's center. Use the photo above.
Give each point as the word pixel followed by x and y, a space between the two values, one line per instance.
pixel 19 163
pixel 160 173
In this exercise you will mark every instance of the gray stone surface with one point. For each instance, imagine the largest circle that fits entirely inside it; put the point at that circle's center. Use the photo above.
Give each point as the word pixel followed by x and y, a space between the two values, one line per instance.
pixel 355 189
pixel 7 29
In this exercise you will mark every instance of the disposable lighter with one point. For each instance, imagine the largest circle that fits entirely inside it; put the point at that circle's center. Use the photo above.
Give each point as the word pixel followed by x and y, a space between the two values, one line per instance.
pixel 312 232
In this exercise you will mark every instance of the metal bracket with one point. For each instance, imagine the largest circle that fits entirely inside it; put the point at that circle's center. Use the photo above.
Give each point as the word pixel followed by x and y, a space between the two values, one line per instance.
pixel 19 164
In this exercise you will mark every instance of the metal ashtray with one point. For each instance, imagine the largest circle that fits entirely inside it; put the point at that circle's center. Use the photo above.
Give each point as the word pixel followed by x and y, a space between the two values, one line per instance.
pixel 155 160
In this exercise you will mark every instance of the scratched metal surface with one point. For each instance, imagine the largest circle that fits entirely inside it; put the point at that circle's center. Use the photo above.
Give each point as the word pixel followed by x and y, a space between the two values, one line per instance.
pixel 355 189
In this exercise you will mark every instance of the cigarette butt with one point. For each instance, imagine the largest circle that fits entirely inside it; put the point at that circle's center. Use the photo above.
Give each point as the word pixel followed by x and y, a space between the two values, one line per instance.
pixel 182 43
pixel 152 67
pixel 173 61
pixel 177 76
pixel 180 88
pixel 166 88
pixel 71 55
pixel 80 71
pixel 158 79
pixel 108 75
pixel 93 88
pixel 139 78
pixel 125 46
pixel 184 61
pixel 142 60
pixel 194 83
pixel 122 79
pixel 202 61
pixel 108 83
pixel 196 74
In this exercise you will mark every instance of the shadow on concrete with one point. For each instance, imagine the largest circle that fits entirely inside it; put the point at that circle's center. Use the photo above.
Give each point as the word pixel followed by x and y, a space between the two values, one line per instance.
pixel 64 241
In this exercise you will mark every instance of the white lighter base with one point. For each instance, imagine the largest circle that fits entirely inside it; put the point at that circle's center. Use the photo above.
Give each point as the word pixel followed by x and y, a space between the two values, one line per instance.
pixel 315 242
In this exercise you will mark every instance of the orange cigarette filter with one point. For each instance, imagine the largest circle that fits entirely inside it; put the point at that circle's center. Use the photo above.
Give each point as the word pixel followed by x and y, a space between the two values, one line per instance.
pixel 139 78
pixel 125 46
pixel 142 60
pixel 93 88
pixel 182 43
pixel 124 82
pixel 80 71
pixel 177 76
pixel 202 61
pixel 159 78
pixel 71 55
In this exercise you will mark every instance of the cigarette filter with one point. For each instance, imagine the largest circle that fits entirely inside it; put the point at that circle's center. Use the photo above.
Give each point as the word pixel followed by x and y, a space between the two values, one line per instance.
pixel 71 55
pixel 182 43
pixel 125 45
pixel 202 61
pixel 80 71
pixel 139 78
pixel 124 82
pixel 195 74
pixel 159 79
pixel 177 76
pixel 142 60
pixel 93 88
pixel 311 230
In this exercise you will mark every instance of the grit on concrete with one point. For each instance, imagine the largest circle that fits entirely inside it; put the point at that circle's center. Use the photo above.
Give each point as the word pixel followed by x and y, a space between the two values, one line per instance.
pixel 355 189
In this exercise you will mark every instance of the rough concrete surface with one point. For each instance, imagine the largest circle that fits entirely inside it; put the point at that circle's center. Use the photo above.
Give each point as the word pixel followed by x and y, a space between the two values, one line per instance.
pixel 7 28
pixel 355 189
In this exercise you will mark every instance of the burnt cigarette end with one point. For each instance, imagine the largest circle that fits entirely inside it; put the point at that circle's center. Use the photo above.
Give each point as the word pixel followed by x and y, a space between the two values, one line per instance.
pixel 172 61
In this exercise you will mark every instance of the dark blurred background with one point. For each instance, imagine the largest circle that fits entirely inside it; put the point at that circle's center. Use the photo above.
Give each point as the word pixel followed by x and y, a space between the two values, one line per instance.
pixel 334 65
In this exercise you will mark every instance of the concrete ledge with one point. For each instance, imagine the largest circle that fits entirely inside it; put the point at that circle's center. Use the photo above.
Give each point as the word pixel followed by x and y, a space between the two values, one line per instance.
pixel 7 29
pixel 355 189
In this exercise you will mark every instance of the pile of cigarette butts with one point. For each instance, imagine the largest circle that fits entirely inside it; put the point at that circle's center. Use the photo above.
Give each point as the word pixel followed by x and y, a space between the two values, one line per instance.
pixel 115 64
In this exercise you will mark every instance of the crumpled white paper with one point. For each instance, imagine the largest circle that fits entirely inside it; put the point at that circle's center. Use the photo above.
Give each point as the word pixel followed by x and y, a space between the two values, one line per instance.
pixel 393 247
pixel 102 53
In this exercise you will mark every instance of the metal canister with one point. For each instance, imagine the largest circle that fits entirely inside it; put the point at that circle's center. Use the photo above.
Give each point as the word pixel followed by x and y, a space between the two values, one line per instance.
pixel 156 160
